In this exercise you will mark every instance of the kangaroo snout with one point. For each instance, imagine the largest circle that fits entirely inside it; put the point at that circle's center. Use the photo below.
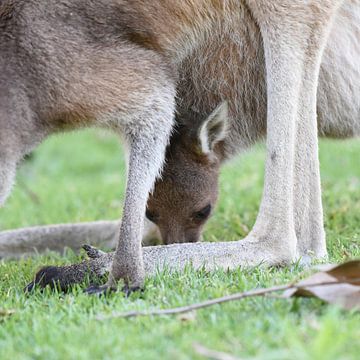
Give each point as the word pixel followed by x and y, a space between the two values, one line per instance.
pixel 176 234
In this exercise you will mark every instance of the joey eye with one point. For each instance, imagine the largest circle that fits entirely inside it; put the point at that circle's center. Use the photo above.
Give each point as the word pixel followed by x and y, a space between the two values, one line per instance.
pixel 203 213
pixel 153 217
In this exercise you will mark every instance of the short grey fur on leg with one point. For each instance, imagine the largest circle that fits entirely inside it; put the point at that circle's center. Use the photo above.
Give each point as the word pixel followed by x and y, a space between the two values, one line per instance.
pixel 147 140
pixel 308 211
pixel 289 223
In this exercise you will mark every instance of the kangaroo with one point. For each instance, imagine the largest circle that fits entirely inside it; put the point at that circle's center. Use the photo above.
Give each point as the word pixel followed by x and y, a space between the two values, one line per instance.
pixel 119 64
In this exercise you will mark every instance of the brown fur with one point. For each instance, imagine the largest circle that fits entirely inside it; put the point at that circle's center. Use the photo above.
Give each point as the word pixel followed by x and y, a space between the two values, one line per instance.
pixel 67 64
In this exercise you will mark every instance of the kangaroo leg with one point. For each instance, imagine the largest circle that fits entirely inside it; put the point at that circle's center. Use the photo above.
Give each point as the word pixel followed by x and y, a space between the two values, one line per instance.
pixel 290 223
pixel 147 138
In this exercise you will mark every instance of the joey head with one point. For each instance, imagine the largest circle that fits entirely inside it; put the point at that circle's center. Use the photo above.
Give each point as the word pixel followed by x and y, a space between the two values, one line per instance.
pixel 185 196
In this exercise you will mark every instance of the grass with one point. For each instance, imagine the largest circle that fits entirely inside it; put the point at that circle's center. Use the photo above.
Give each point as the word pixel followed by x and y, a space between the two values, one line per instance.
pixel 80 177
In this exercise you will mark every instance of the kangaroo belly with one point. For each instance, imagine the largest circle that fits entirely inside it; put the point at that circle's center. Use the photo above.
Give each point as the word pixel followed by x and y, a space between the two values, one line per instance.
pixel 230 65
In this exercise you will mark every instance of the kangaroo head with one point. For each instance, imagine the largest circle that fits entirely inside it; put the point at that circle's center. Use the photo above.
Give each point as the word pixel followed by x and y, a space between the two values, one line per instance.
pixel 185 195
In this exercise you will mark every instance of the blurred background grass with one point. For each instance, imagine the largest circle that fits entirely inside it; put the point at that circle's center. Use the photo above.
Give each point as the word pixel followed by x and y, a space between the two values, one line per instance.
pixel 80 176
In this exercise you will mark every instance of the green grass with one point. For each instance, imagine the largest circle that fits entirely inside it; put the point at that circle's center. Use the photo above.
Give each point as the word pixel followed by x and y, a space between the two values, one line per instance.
pixel 80 177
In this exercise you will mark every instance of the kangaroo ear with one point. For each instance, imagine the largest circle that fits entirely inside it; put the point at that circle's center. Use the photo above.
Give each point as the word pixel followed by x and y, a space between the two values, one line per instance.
pixel 214 128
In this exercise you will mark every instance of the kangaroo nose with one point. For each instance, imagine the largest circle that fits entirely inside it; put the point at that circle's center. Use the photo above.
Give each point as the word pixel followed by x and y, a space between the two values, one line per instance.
pixel 172 235
pixel 173 239
pixel 177 234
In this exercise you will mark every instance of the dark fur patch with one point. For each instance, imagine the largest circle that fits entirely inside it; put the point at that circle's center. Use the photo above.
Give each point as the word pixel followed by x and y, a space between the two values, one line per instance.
pixel 48 275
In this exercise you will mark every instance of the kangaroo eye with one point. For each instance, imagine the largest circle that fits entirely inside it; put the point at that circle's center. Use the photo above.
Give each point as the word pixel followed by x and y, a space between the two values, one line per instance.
pixel 203 213
pixel 151 216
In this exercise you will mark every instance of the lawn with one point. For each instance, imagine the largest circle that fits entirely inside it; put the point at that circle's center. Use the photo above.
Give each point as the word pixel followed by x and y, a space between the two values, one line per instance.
pixel 80 177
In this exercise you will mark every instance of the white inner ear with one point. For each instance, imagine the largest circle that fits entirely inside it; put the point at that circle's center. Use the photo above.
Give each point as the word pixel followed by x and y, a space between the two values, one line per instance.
pixel 214 128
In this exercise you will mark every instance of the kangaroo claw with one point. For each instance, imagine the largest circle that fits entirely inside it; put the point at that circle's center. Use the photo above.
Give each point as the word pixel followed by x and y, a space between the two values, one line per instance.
pixel 92 252
pixel 99 290
pixel 128 290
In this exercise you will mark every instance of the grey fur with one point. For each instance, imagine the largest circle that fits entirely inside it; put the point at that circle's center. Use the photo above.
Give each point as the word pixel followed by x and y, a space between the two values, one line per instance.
pixel 38 239
pixel 262 57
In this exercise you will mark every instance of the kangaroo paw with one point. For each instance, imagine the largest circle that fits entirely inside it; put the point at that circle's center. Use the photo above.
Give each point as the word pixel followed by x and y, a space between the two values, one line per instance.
pixel 63 277
pixel 48 275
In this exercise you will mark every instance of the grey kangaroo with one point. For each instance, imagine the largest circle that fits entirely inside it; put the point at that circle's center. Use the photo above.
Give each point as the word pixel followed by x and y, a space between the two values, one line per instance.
pixel 130 65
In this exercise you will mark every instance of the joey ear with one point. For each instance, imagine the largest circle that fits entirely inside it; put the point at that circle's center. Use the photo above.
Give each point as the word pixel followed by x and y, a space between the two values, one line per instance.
pixel 214 128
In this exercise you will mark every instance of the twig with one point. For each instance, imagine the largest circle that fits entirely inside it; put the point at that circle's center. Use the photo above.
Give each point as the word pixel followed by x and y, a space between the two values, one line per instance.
pixel 220 300
pixel 196 306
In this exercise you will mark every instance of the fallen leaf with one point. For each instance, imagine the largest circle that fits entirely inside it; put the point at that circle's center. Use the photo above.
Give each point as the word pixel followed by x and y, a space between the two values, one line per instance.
pixel 344 289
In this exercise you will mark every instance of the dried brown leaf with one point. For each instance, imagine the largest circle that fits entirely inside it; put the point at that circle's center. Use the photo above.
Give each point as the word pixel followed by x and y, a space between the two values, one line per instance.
pixel 349 272
pixel 344 290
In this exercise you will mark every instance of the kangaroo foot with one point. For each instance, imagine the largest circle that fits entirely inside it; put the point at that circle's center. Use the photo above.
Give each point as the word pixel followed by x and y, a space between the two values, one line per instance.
pixel 99 290
pixel 250 251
